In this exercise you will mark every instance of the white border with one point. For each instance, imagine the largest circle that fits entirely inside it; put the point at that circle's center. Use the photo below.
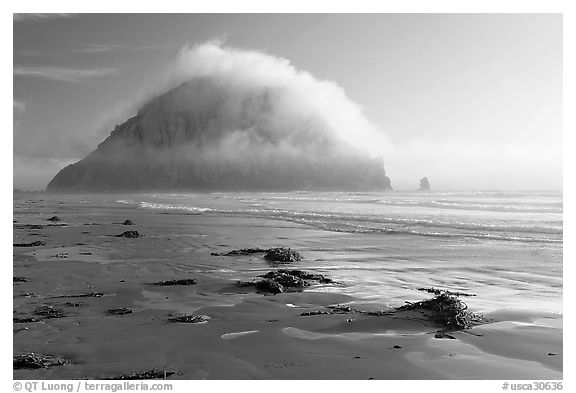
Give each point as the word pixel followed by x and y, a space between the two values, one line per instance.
pixel 309 6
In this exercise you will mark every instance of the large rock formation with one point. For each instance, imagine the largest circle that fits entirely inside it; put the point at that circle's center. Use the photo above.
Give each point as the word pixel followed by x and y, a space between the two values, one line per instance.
pixel 424 184
pixel 208 135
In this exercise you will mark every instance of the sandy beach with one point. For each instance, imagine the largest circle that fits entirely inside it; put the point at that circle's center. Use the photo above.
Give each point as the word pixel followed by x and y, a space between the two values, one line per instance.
pixel 83 270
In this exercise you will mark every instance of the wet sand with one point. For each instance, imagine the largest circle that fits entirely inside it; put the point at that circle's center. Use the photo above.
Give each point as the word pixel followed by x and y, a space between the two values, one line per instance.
pixel 248 335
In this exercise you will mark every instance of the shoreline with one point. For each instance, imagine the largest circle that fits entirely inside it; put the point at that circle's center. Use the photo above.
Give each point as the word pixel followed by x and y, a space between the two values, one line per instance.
pixel 248 335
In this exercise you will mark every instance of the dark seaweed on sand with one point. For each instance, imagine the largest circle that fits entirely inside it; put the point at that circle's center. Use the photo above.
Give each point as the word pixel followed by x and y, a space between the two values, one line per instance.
pixel 29 226
pixel 19 279
pixel 149 374
pixel 189 319
pixel 447 310
pixel 33 244
pixel 120 311
pixel 82 295
pixel 436 291
pixel 32 360
pixel 25 319
pixel 129 234
pixel 300 274
pixel 278 254
pixel 317 312
pixel 243 251
pixel 282 254
pixel 49 312
pixel 283 280
pixel 185 281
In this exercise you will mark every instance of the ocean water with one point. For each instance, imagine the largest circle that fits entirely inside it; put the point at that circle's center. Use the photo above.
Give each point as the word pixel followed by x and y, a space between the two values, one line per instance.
pixel 504 247
pixel 513 217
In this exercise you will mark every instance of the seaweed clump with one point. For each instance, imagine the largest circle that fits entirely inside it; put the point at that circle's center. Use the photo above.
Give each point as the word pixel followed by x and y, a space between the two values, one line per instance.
pixel 245 251
pixel 284 280
pixel 278 254
pixel 185 281
pixel 190 319
pixel 32 360
pixel 446 309
pixel 120 311
pixel 282 254
pixel 148 374
pixel 130 234
pixel 49 312
pixel 32 244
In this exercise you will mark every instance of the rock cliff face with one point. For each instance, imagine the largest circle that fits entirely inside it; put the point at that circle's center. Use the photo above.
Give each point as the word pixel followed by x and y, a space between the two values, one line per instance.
pixel 203 136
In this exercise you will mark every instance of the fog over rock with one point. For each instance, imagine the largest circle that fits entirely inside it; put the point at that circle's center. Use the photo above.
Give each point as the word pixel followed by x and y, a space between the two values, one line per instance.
pixel 241 120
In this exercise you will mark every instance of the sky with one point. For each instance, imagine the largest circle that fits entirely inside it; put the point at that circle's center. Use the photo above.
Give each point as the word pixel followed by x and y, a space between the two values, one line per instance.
pixel 472 101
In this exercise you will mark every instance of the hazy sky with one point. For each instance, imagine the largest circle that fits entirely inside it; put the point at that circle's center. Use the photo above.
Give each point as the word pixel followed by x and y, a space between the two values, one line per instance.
pixel 472 101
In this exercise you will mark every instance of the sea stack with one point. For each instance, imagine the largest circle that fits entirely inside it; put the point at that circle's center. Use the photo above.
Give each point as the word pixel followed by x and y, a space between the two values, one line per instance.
pixel 207 135
pixel 424 184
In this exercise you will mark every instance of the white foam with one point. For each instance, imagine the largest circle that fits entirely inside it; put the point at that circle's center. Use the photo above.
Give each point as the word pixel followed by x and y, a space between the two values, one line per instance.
pixel 232 336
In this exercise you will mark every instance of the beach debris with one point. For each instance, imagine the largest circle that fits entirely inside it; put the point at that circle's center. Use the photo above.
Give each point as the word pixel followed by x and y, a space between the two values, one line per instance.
pixel 54 219
pixel 338 309
pixel 33 244
pixel 316 312
pixel 278 254
pixel 396 347
pixel 300 274
pixel 61 255
pixel 19 279
pixel 436 291
pixel 49 312
pixel 25 319
pixel 445 309
pixel 190 318
pixel 32 360
pixel 127 222
pixel 90 294
pixel 550 354
pixel 282 254
pixel 29 226
pixel 283 280
pixel 84 253
pixel 149 374
pixel 286 279
pixel 269 285
pixel 129 234
pixel 244 251
pixel 186 281
pixel 120 311
pixel 377 313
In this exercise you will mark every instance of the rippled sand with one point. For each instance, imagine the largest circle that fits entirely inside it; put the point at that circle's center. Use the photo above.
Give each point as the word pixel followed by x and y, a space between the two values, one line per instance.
pixel 251 335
